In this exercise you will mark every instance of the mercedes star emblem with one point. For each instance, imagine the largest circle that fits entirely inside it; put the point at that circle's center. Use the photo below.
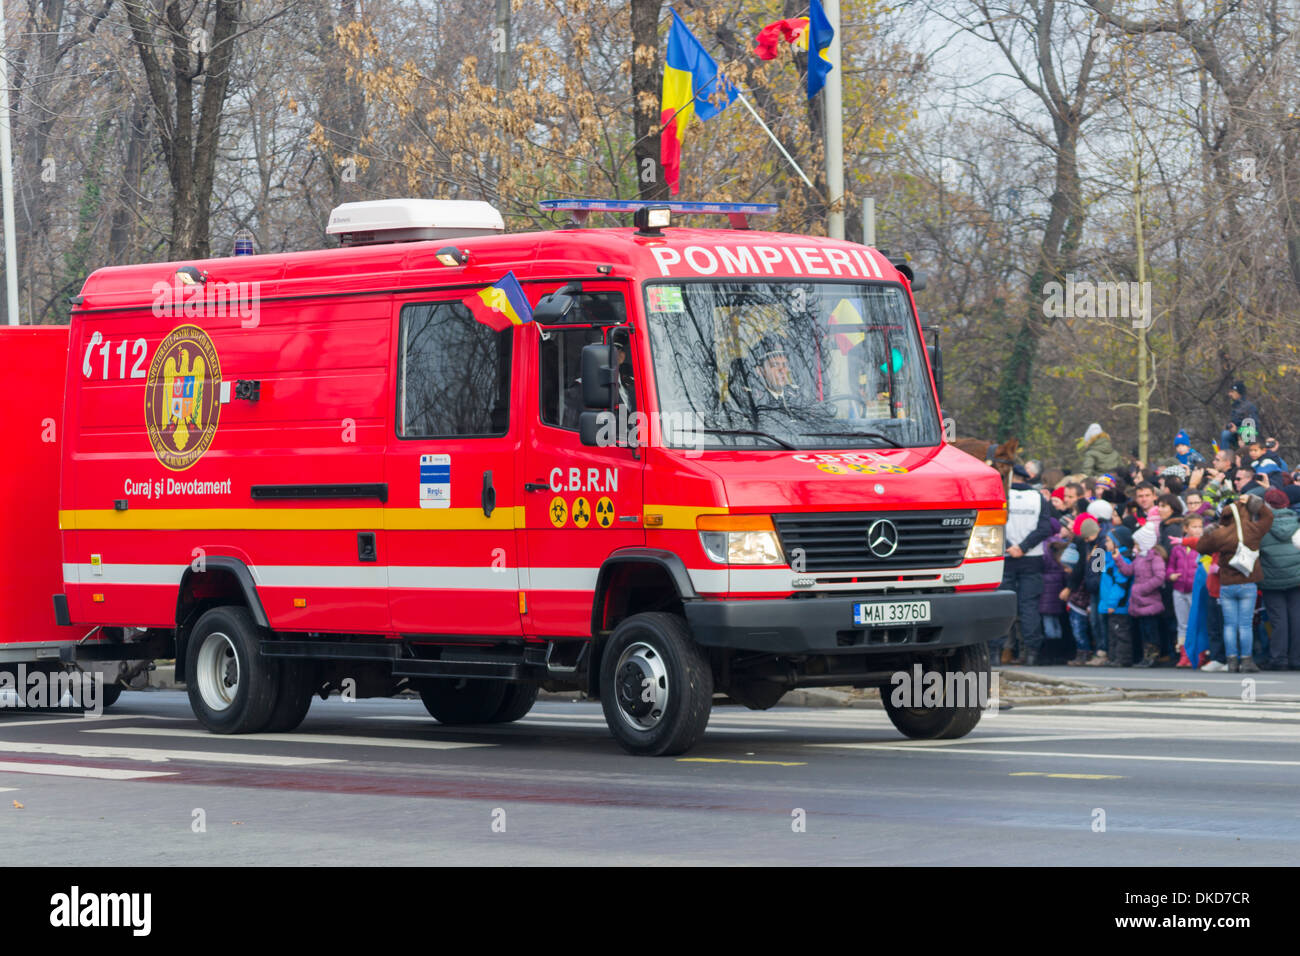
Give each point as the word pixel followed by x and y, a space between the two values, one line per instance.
pixel 882 538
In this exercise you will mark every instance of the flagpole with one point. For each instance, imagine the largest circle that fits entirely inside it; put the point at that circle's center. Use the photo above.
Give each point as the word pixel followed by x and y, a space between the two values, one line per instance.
pixel 834 127
pixel 788 158
pixel 7 181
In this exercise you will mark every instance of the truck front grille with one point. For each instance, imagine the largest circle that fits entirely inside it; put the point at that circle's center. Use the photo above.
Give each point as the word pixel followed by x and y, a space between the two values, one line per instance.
pixel 837 540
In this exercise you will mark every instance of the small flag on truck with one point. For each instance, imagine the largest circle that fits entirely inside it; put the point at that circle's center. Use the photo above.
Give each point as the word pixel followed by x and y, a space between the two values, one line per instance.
pixel 501 305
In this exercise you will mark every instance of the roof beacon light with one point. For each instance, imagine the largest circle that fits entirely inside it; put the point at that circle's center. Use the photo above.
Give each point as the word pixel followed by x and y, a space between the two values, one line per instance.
pixel 737 212
pixel 411 220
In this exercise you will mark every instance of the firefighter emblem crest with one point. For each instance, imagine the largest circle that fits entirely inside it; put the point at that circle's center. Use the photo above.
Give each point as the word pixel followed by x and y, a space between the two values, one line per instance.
pixel 182 397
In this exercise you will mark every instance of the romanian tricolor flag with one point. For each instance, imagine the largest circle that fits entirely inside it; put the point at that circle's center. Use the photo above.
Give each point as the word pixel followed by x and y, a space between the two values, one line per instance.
pixel 501 305
pixel 795 32
pixel 690 82
pixel 820 35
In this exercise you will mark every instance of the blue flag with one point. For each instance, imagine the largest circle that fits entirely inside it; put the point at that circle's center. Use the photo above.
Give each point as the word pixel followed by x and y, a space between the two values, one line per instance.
pixel 1198 618
pixel 820 35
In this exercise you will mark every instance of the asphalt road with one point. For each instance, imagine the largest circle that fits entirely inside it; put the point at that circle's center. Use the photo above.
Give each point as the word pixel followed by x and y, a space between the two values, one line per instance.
pixel 377 782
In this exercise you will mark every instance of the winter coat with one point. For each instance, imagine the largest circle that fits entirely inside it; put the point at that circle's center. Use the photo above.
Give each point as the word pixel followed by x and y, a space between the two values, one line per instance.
pixel 1279 554
pixel 1222 542
pixel 1244 408
pixel 1099 456
pixel 1083 577
pixel 1053 582
pixel 1148 570
pixel 1114 586
pixel 1182 561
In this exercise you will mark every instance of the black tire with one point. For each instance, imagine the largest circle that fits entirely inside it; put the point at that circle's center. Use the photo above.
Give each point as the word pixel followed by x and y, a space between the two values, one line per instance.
pixel 946 721
pixel 231 686
pixel 517 701
pixel 293 696
pixel 655 650
pixel 110 694
pixel 453 701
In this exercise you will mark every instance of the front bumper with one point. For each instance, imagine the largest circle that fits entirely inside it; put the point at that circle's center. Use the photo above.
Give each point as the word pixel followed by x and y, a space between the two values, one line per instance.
pixel 825 624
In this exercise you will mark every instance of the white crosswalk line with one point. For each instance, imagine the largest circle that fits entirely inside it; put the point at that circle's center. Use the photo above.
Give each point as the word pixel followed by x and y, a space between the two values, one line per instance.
pixel 338 740
pixel 156 756
pixel 71 770
pixel 1161 758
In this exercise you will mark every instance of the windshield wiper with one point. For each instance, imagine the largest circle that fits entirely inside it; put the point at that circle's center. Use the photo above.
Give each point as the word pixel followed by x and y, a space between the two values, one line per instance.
pixel 884 438
pixel 745 431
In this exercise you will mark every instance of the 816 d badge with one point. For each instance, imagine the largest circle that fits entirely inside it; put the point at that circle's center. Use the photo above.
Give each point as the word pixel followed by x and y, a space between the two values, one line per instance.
pixel 182 397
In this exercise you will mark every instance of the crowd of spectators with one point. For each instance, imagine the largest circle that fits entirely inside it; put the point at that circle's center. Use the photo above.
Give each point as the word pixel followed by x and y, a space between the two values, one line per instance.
pixel 1194 562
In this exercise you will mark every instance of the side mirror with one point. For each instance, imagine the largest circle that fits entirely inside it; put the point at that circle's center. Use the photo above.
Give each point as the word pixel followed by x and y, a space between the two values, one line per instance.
pixel 936 363
pixel 555 307
pixel 598 376
pixel 918 283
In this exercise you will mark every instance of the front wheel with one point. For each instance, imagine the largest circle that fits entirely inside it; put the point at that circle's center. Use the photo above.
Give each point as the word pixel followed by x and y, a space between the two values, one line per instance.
pixel 231 686
pixel 656 686
pixel 950 703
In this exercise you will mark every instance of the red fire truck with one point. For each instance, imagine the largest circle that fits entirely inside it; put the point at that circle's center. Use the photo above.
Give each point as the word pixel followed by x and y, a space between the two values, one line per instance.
pixel 709 462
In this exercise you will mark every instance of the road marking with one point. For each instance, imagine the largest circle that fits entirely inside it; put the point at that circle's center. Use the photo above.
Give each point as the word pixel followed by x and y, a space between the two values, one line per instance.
pixel 1067 776
pixel 296 738
pixel 6 724
pixel 70 770
pixel 1068 756
pixel 761 763
pixel 7 789
pixel 1244 712
pixel 157 756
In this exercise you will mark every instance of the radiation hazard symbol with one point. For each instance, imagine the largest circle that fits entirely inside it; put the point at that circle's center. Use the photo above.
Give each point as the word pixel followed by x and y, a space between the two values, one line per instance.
pixel 832 469
pixel 604 512
pixel 581 512
pixel 558 511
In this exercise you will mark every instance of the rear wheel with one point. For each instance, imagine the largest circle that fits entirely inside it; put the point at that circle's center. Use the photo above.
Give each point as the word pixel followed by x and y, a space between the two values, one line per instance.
pixel 453 701
pixel 656 686
pixel 232 688
pixel 293 696
pixel 956 713
pixel 110 694
pixel 516 702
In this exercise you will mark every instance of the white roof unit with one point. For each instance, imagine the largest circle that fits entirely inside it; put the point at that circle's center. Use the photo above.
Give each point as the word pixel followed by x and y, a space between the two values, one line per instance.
pixel 408 220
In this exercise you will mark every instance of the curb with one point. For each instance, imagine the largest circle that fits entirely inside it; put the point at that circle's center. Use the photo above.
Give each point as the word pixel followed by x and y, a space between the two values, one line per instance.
pixel 163 677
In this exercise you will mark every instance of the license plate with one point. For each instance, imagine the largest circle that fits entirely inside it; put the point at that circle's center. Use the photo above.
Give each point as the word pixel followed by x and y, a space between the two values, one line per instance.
pixel 885 613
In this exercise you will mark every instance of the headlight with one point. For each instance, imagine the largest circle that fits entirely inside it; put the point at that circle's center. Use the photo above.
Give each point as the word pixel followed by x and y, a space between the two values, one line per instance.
pixel 988 537
pixel 740 539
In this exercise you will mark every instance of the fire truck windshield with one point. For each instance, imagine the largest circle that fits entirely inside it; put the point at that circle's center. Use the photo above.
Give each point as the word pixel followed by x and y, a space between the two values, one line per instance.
pixel 789 364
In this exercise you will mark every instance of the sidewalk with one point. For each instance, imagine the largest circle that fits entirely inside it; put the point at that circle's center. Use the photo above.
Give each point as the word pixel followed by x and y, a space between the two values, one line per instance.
pixel 1039 685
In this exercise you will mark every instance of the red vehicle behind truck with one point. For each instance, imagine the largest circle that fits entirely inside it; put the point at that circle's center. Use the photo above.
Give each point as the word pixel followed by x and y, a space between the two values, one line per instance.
pixel 710 461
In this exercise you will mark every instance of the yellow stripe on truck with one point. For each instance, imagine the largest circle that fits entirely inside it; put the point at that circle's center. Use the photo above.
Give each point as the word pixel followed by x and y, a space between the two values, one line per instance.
pixel 676 517
pixel 292 519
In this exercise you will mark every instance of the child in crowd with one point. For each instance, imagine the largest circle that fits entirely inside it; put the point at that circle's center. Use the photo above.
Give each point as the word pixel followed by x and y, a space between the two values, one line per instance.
pixel 1114 598
pixel 1145 604
pixel 1181 573
pixel 1080 599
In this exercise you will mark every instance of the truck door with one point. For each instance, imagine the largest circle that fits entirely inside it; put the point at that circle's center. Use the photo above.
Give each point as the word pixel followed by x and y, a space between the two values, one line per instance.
pixel 581 503
pixel 451 468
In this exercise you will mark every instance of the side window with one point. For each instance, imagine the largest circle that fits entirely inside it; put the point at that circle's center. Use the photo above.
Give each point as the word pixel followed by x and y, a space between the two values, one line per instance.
pixel 561 374
pixel 453 373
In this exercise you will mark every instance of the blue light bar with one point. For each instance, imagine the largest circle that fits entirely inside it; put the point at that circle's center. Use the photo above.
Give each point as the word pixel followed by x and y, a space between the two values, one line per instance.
pixel 736 211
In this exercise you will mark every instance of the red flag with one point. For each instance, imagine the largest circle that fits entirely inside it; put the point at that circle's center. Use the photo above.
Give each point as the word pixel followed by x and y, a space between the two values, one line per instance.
pixel 768 41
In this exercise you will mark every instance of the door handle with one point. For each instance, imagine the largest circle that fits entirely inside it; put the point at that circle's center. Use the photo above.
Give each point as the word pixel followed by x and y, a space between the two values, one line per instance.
pixel 489 494
pixel 536 486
